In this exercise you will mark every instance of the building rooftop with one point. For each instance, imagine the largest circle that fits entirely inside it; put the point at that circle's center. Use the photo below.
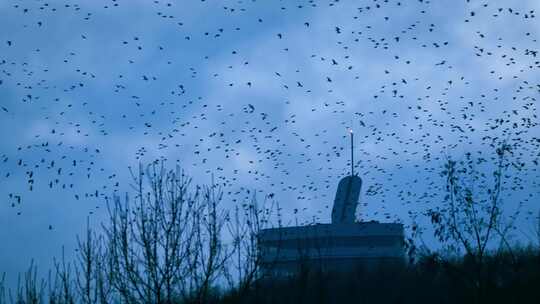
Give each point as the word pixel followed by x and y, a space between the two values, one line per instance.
pixel 372 228
pixel 337 246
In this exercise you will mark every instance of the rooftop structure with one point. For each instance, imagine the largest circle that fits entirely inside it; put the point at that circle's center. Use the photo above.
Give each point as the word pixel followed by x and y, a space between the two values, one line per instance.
pixel 340 246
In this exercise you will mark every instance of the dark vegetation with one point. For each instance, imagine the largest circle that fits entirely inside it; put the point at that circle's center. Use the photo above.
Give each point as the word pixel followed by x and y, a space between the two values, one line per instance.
pixel 507 278
pixel 173 242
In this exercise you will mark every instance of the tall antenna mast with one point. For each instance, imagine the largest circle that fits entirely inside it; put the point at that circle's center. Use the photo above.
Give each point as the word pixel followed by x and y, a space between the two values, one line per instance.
pixel 352 151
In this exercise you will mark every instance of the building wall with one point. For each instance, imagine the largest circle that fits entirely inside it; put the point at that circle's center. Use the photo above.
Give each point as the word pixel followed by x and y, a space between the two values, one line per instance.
pixel 332 246
pixel 330 265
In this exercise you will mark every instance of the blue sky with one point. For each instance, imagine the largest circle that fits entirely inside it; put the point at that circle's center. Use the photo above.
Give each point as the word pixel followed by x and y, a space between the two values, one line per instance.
pixel 259 93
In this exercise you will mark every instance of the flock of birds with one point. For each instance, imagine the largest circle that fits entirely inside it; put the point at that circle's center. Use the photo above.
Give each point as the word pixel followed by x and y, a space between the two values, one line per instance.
pixel 261 95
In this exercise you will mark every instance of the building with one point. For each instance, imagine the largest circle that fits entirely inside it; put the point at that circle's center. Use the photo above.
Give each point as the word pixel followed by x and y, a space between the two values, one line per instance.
pixel 340 246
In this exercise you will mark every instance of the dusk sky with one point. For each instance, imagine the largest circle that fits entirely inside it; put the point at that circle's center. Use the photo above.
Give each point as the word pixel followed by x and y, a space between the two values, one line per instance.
pixel 260 94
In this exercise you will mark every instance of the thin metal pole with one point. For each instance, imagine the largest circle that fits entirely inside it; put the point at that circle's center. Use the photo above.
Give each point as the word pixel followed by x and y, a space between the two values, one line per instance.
pixel 352 153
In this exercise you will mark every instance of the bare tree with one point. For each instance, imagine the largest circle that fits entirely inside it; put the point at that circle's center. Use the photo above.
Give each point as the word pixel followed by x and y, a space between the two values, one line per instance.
pixel 92 269
pixel 247 221
pixel 61 287
pixel 3 289
pixel 165 245
pixel 471 217
pixel 31 291
pixel 208 253
pixel 536 230
pixel 469 220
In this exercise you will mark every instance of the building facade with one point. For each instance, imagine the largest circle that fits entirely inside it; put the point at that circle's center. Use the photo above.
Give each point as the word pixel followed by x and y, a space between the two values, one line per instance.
pixel 343 245
pixel 331 247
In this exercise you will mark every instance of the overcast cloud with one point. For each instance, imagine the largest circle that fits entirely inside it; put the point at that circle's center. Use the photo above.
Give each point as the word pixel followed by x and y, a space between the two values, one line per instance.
pixel 259 93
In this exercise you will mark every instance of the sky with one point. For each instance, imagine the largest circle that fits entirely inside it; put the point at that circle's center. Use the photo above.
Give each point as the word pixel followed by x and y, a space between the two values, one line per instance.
pixel 261 95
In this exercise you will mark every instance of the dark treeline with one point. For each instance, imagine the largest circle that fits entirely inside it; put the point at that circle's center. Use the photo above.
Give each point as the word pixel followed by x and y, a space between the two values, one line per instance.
pixel 173 242
pixel 507 278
